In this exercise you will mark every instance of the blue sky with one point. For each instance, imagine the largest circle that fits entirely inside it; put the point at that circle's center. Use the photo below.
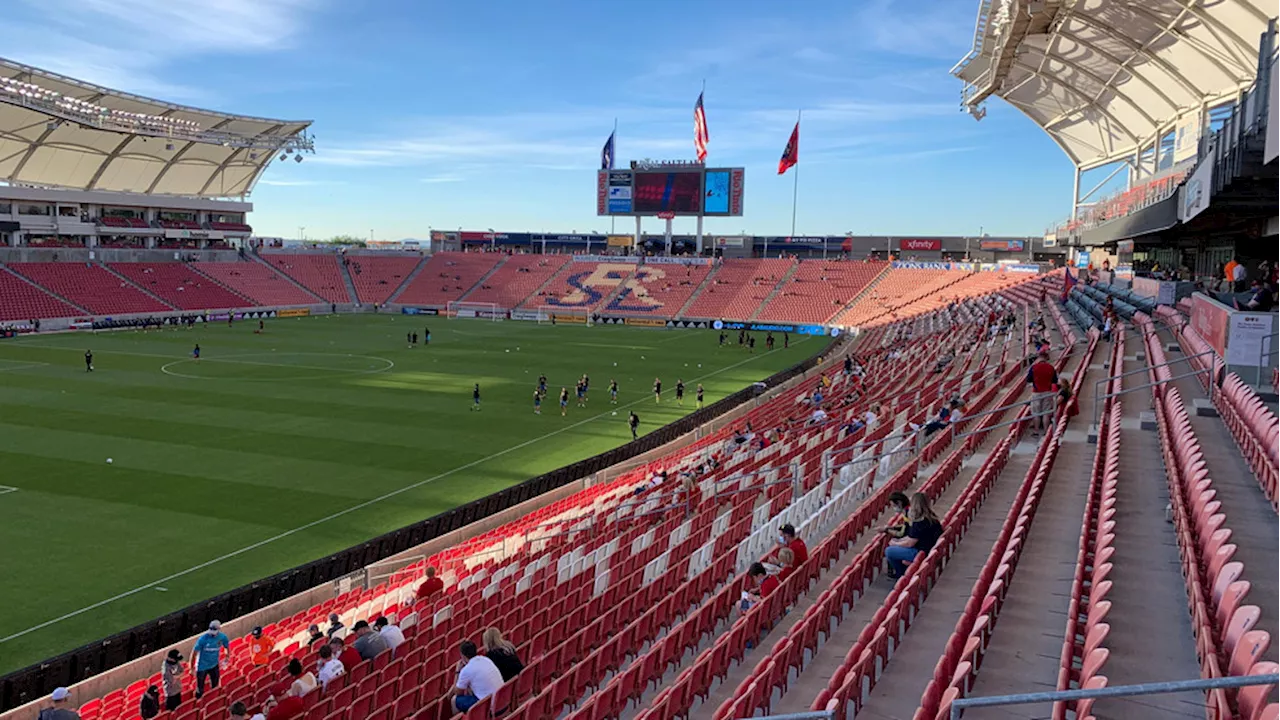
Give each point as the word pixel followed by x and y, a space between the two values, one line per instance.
pixel 443 114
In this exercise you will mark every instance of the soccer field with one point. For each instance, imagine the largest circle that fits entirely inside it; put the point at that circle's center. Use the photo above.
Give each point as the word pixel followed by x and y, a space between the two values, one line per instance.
pixel 280 448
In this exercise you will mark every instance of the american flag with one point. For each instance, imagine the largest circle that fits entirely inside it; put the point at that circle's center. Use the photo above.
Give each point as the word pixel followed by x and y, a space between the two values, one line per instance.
pixel 700 135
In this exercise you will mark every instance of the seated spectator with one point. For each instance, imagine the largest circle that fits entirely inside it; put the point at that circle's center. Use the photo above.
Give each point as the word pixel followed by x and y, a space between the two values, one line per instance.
pixel 478 678
pixel 329 667
pixel 431 585
pixel 346 654
pixel 921 535
pixel 239 711
pixel 61 708
pixel 502 653
pixel 756 576
pixel 1262 300
pixel 818 417
pixel 947 414
pixel 787 538
pixel 368 643
pixel 897 527
pixel 303 682
pixel 335 626
pixel 149 707
pixel 786 566
pixel 1064 406
pixel 316 635
pixel 285 709
pixel 389 632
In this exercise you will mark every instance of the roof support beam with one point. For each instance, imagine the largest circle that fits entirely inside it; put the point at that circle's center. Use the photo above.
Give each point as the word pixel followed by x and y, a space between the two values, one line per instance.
pixel 39 142
pixel 178 156
pixel 1089 74
pixel 222 168
pixel 1100 52
pixel 1088 102
pixel 1137 50
pixel 1171 28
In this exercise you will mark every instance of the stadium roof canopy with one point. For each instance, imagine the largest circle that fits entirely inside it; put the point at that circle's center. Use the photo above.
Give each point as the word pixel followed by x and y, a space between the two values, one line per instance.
pixel 1105 78
pixel 60 132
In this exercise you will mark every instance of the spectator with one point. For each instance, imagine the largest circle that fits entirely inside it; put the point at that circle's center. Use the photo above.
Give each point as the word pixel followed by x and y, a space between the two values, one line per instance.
pixel 303 682
pixel 1262 299
pixel 1042 377
pixel 149 707
pixel 240 712
pixel 316 635
pixel 787 538
pixel 330 667
pixel 757 575
pixel 389 632
pixel 208 657
pixel 1064 406
pixel 1238 277
pixel 897 527
pixel 368 643
pixel 347 655
pixel 431 585
pixel 819 416
pixel 288 708
pixel 947 414
pixel 478 678
pixel 335 626
pixel 261 647
pixel 502 653
pixel 171 671
pixel 922 533
pixel 61 709
pixel 786 566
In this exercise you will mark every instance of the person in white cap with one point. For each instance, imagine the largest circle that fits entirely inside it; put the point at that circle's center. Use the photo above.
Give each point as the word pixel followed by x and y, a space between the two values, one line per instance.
pixel 207 654
pixel 61 709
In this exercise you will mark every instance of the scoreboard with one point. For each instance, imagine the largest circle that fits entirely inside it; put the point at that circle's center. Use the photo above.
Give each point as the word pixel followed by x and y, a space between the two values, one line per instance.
pixel 683 189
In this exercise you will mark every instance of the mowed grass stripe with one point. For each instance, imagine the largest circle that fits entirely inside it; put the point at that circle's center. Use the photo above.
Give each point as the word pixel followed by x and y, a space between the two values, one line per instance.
pixel 271 452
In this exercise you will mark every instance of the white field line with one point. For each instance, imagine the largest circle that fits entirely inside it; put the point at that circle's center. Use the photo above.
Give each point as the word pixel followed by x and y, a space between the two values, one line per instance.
pixel 347 511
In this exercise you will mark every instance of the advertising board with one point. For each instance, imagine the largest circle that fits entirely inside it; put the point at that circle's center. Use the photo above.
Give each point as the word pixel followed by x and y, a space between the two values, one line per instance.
pixel 1210 319
pixel 919 245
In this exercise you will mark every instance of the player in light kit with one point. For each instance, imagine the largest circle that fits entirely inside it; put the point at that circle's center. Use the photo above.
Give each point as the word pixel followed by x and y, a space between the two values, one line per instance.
pixel 537 402
pixel 699 396
pixel 613 392
pixel 657 390
pixel 564 401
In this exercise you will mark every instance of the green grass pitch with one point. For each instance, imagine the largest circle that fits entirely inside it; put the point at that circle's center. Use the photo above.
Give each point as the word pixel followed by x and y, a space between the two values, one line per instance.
pixel 279 448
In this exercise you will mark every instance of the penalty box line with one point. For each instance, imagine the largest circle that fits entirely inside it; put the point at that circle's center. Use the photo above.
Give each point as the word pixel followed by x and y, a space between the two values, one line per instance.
pixel 360 506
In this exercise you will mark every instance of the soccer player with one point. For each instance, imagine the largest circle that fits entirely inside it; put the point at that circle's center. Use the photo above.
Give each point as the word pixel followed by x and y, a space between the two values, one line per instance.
pixel 415 338
pixel 542 384
pixel 721 338
pixel 751 343
pixel 426 336
pixel 699 396
pixel 195 353
pixel 262 325
pixel 657 390
pixel 768 341
pixel 633 421
pixel 475 397
pixel 581 394
pixel 680 391
pixel 613 391
pixel 786 340
pixel 88 361
pixel 537 403
pixel 408 339
pixel 564 401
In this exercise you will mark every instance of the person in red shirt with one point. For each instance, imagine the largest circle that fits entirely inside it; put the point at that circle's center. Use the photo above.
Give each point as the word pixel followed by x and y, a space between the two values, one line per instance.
pixel 431 585
pixel 286 709
pixel 348 656
pixel 261 647
pixel 787 538
pixel 1043 379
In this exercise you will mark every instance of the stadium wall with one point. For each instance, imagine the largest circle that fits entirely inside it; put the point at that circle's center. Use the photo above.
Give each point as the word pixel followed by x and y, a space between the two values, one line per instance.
pixel 109 255
pixel 135 654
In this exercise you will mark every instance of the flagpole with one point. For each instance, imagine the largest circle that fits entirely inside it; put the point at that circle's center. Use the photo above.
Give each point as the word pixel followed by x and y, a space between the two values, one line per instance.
pixel 795 194
pixel 613 219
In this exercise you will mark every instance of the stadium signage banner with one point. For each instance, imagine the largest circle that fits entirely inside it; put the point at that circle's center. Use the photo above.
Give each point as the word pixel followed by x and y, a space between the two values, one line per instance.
pixel 531 315
pixel 620 240
pixel 419 311
pixel 1210 319
pixel 1022 268
pixel 294 312
pixel 1194 195
pixel 677 261
pixel 1003 245
pixel 1124 272
pixel 629 260
pixel 569 319
pixel 917 244
pixel 769 327
pixel 690 324
pixel 737 181
pixel 474 313
pixel 648 164
pixel 646 322
pixel 602 192
pixel 913 265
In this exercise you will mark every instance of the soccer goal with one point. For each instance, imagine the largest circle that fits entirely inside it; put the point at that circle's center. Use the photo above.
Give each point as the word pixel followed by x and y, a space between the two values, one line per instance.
pixel 486 311
pixel 559 315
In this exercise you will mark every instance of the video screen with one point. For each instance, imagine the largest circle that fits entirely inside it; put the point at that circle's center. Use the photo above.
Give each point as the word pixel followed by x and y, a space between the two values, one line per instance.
pixel 667 192
pixel 716 193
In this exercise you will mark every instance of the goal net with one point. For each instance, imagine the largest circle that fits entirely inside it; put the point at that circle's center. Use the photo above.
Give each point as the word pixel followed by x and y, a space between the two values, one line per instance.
pixel 484 311
pixel 559 315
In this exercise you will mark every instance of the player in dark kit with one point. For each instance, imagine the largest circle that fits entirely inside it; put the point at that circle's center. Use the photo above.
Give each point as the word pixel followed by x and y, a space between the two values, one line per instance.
pixel 426 336
pixel 680 392
pixel 633 422
pixel 408 339
pixel 537 402
pixel 88 361
pixel 415 338
pixel 721 338
pixel 262 325
pixel 582 394
pixel 657 390
pixel 195 353
pixel 699 396
pixel 768 341
pixel 475 397
pixel 542 384
pixel 613 392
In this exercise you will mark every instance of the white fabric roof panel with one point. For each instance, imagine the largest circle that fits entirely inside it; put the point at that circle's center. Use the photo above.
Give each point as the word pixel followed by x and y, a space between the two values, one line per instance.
pixel 80 157
pixel 1102 77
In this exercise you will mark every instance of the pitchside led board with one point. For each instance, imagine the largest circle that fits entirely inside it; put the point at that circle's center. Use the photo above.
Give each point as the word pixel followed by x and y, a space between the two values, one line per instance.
pixel 680 188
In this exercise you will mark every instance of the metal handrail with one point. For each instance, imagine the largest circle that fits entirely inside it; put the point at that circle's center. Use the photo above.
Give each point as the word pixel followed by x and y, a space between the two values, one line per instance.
pixel 1097 408
pixel 1159 688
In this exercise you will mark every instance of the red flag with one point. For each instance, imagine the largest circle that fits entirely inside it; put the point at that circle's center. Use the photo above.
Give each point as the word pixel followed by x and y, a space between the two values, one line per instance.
pixel 791 155
pixel 701 136
pixel 1068 282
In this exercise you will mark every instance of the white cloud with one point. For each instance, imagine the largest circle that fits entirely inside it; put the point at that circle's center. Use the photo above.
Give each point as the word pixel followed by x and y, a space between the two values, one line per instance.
pixel 296 183
pixel 127 44
pixel 441 179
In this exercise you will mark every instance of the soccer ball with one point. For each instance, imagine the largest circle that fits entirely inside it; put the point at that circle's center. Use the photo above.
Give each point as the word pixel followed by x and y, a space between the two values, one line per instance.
pixel 615 412
pixel 109 461
pixel 615 364
pixel 699 364
pixel 507 350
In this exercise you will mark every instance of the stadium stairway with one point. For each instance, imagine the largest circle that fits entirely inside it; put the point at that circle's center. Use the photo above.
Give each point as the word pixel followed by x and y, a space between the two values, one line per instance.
pixel 693 297
pixel 259 259
pixel 348 281
pixel 408 280
pixel 737 288
pixel 320 274
pixel 377 277
pixel 141 289
pixel 89 286
pixel 257 281
pixel 447 277
pixel 518 278
pixel 782 283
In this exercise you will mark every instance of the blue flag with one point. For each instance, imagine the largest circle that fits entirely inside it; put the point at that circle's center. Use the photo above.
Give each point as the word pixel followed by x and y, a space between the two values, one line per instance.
pixel 606 154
